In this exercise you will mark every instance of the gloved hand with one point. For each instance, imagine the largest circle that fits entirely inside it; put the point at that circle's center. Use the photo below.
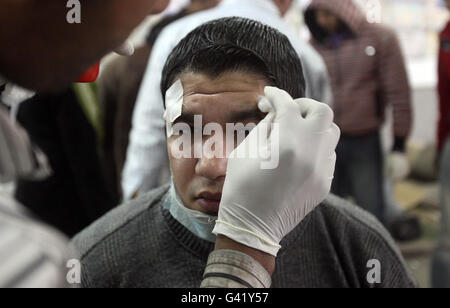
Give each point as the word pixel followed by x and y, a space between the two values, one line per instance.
pixel 260 207
pixel 398 166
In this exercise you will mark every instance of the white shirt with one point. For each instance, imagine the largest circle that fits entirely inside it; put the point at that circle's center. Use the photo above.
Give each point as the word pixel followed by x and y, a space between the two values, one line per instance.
pixel 147 152
pixel 33 255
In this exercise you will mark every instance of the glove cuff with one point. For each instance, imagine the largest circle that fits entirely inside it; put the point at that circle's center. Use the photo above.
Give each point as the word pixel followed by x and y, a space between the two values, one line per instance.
pixel 246 237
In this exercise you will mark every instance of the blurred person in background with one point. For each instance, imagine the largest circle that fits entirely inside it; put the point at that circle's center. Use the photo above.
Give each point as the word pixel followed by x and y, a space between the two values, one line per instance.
pixel 118 87
pixel 32 254
pixel 441 259
pixel 367 72
pixel 147 162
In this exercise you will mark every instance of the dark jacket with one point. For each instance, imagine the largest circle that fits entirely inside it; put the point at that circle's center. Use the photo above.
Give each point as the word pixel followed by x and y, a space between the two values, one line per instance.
pixel 76 194
pixel 367 70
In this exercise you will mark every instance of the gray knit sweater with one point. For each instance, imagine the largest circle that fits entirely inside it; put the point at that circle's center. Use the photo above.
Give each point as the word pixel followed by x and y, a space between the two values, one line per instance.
pixel 141 245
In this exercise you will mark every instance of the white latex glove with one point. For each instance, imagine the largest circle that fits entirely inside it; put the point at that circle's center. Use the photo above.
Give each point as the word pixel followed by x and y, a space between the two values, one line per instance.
pixel 260 207
pixel 398 166
pixel 126 49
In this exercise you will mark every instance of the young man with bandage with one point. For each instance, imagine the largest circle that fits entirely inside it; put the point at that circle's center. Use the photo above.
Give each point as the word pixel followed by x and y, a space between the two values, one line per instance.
pixel 234 71
pixel 146 161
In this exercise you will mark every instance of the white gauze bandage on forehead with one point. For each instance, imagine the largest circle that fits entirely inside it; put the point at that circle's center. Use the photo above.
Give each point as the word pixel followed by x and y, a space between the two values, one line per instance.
pixel 174 106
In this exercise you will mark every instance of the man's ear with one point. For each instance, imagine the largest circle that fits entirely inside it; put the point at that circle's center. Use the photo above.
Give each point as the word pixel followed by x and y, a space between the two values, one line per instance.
pixel 283 5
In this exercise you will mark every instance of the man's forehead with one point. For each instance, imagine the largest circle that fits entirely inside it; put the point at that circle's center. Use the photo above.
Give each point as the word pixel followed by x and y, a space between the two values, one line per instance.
pixel 226 101
pixel 228 107
pixel 231 82
pixel 234 95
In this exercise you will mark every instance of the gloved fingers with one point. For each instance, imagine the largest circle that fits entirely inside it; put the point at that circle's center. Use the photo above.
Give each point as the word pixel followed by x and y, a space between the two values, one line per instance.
pixel 331 165
pixel 281 102
pixel 257 141
pixel 330 169
pixel 333 137
pixel 260 135
pixel 323 181
pixel 326 163
pixel 326 158
pixel 126 49
pixel 320 115
pixel 265 106
pixel 324 172
pixel 265 124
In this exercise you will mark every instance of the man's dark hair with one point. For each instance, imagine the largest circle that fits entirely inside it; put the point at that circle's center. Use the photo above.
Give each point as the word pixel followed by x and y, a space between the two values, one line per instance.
pixel 237 44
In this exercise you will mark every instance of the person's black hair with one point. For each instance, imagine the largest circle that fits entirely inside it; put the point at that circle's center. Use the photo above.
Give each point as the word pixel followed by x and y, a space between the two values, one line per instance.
pixel 237 44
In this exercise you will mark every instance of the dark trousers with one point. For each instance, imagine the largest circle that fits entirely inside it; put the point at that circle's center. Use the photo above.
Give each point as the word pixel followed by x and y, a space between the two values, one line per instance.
pixel 359 172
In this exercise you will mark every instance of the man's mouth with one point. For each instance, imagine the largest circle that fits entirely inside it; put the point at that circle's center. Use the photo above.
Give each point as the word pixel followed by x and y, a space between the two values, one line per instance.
pixel 209 201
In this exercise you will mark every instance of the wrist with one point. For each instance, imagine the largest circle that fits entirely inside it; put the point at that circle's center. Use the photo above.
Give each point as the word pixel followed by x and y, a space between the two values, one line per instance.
pixel 265 259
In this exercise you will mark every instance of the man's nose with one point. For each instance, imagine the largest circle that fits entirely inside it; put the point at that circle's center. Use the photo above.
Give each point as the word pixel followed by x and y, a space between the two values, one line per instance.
pixel 213 163
pixel 211 168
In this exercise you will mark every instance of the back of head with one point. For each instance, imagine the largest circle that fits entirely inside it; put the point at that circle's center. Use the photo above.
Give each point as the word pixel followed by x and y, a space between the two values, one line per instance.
pixel 237 45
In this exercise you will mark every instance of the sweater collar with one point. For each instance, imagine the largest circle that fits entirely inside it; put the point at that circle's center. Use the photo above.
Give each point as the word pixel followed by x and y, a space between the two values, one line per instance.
pixel 201 247
pixel 197 246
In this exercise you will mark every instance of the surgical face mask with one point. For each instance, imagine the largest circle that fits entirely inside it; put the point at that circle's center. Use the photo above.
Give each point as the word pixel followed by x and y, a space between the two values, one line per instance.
pixel 197 222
